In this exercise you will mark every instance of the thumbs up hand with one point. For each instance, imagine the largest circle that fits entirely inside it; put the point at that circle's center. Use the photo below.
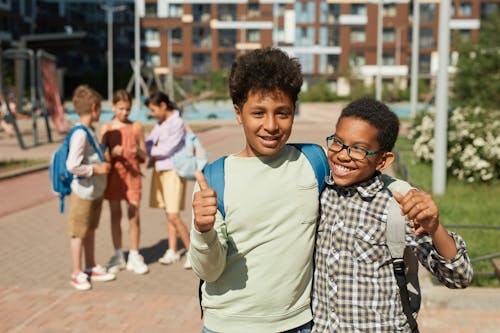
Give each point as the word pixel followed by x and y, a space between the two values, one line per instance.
pixel 204 205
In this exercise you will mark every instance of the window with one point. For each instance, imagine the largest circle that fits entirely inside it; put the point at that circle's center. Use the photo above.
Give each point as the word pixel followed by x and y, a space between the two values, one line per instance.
pixel 201 63
pixel 307 63
pixel 176 34
pixel 201 12
pixel 465 9
pixel 464 35
pixel 226 60
pixel 426 38
pixel 488 8
pixel 329 13
pixel 388 59
pixel 388 35
pixel 358 9
pixel 306 12
pixel 328 63
pixel 358 35
pixel 202 37
pixel 227 12
pixel 150 10
pixel 427 12
pixel 253 10
pixel 357 60
pixel 175 10
pixel 152 59
pixel 390 10
pixel 227 38
pixel 152 37
pixel 177 59
pixel 424 63
pixel 253 36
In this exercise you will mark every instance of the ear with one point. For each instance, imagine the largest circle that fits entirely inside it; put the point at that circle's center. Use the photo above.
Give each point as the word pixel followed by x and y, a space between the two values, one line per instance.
pixel 385 161
pixel 237 113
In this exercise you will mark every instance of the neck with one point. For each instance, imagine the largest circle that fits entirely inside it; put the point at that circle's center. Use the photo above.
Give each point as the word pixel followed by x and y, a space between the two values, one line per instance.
pixel 86 119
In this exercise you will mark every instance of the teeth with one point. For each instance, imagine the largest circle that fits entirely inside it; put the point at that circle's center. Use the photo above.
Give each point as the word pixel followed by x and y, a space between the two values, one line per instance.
pixel 342 168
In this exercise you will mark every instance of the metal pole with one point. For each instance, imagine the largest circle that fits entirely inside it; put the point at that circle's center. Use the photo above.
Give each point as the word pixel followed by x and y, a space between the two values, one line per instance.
pixel 170 65
pixel 109 12
pixel 378 87
pixel 414 58
pixel 441 123
pixel 137 57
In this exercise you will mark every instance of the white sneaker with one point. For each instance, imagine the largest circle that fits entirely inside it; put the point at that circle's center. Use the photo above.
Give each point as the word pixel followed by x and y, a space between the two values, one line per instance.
pixel 169 257
pixel 80 281
pixel 99 273
pixel 116 264
pixel 136 264
pixel 187 263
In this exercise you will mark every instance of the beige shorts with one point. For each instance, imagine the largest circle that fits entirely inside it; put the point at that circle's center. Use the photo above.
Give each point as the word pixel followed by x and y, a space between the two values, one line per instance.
pixel 167 191
pixel 84 215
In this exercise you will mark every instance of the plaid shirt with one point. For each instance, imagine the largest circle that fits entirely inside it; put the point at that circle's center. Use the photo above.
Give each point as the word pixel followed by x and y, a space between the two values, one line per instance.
pixel 354 286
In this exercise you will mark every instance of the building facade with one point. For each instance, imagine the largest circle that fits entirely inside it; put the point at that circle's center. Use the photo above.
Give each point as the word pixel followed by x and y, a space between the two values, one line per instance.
pixel 335 40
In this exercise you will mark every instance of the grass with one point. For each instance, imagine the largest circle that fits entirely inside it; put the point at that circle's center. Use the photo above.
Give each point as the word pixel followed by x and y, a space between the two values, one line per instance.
pixel 463 204
pixel 11 165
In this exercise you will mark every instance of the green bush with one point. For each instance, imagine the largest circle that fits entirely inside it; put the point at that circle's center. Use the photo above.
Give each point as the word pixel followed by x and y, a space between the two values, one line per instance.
pixel 473 142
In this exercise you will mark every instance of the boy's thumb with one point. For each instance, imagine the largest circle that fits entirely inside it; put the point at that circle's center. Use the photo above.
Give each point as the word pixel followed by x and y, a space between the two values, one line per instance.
pixel 398 196
pixel 201 180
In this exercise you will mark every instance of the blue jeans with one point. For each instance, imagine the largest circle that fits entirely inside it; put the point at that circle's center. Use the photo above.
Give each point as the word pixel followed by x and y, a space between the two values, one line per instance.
pixel 306 328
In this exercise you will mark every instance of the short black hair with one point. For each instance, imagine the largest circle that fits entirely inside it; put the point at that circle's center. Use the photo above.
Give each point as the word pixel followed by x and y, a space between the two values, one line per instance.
pixel 158 97
pixel 379 116
pixel 264 70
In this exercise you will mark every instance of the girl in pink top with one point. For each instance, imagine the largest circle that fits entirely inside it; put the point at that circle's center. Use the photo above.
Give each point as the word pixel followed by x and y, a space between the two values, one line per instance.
pixel 126 149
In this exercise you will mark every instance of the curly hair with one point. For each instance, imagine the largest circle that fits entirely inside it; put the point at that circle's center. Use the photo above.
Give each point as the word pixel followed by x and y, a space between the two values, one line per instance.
pixel 264 70
pixel 379 116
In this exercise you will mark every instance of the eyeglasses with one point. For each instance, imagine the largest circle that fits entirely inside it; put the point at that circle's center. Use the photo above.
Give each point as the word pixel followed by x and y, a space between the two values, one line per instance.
pixel 356 153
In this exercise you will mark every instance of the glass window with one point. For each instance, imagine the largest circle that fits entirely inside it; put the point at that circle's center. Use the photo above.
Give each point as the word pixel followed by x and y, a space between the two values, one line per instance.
pixel 304 36
pixel 201 12
pixel 390 10
pixel 307 63
pixel 176 34
pixel 424 63
pixel 358 35
pixel 358 9
pixel 427 12
pixel 357 59
pixel 175 10
pixel 329 13
pixel 151 36
pixel 253 10
pixel 152 59
pixel 426 38
pixel 226 60
pixel 328 63
pixel 201 63
pixel 226 12
pixel 388 35
pixel 465 9
pixel 227 38
pixel 488 8
pixel 202 37
pixel 177 59
pixel 388 59
pixel 305 12
pixel 253 36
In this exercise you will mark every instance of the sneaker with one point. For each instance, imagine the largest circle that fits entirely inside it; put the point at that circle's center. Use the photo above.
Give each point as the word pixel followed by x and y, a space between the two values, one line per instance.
pixel 169 257
pixel 116 264
pixel 80 281
pixel 136 264
pixel 187 263
pixel 99 273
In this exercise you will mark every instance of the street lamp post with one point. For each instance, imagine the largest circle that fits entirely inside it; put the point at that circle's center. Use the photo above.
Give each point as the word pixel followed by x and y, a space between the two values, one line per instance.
pixel 110 9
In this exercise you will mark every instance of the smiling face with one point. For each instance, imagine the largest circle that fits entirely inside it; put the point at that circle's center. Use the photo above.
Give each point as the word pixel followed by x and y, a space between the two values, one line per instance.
pixel 121 110
pixel 267 121
pixel 357 132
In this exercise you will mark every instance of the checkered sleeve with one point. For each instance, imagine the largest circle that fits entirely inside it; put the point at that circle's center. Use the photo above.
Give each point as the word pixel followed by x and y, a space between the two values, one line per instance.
pixel 453 273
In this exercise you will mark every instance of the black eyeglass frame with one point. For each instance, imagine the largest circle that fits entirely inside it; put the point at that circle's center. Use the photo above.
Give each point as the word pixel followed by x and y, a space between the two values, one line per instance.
pixel 348 148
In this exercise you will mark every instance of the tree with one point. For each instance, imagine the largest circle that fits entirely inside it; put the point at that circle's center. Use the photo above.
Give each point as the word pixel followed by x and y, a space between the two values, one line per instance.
pixel 477 80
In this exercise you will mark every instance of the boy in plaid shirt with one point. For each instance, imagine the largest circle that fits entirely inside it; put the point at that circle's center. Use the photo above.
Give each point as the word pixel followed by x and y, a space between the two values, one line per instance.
pixel 354 286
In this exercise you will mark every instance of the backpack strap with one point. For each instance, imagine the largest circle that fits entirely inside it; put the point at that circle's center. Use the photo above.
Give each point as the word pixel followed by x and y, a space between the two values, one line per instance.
pixel 316 156
pixel 396 243
pixel 214 173
pixel 90 138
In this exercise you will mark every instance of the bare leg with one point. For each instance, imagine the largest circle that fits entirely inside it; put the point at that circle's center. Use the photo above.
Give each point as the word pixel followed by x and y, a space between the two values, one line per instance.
pixel 135 226
pixel 88 245
pixel 116 218
pixel 172 234
pixel 76 254
pixel 180 228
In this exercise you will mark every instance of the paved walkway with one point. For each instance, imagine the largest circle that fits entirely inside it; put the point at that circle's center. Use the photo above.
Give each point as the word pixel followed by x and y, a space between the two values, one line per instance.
pixel 35 295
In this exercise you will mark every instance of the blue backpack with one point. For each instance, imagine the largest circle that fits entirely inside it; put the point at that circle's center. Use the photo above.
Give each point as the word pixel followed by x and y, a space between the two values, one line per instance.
pixel 60 177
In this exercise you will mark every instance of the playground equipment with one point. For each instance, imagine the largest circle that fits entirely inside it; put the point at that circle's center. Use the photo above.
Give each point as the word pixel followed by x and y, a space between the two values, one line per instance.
pixel 44 99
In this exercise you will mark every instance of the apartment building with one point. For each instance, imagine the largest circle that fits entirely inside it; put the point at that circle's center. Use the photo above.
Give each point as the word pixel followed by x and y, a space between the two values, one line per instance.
pixel 333 39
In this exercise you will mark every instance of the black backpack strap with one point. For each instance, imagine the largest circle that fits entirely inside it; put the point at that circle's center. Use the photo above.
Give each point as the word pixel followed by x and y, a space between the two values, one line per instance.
pixel 398 265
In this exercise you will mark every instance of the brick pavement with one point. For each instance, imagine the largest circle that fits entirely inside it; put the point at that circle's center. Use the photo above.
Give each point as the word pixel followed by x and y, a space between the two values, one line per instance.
pixel 35 295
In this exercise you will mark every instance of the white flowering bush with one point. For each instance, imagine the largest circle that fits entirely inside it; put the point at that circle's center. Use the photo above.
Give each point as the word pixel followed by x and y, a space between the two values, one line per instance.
pixel 473 142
